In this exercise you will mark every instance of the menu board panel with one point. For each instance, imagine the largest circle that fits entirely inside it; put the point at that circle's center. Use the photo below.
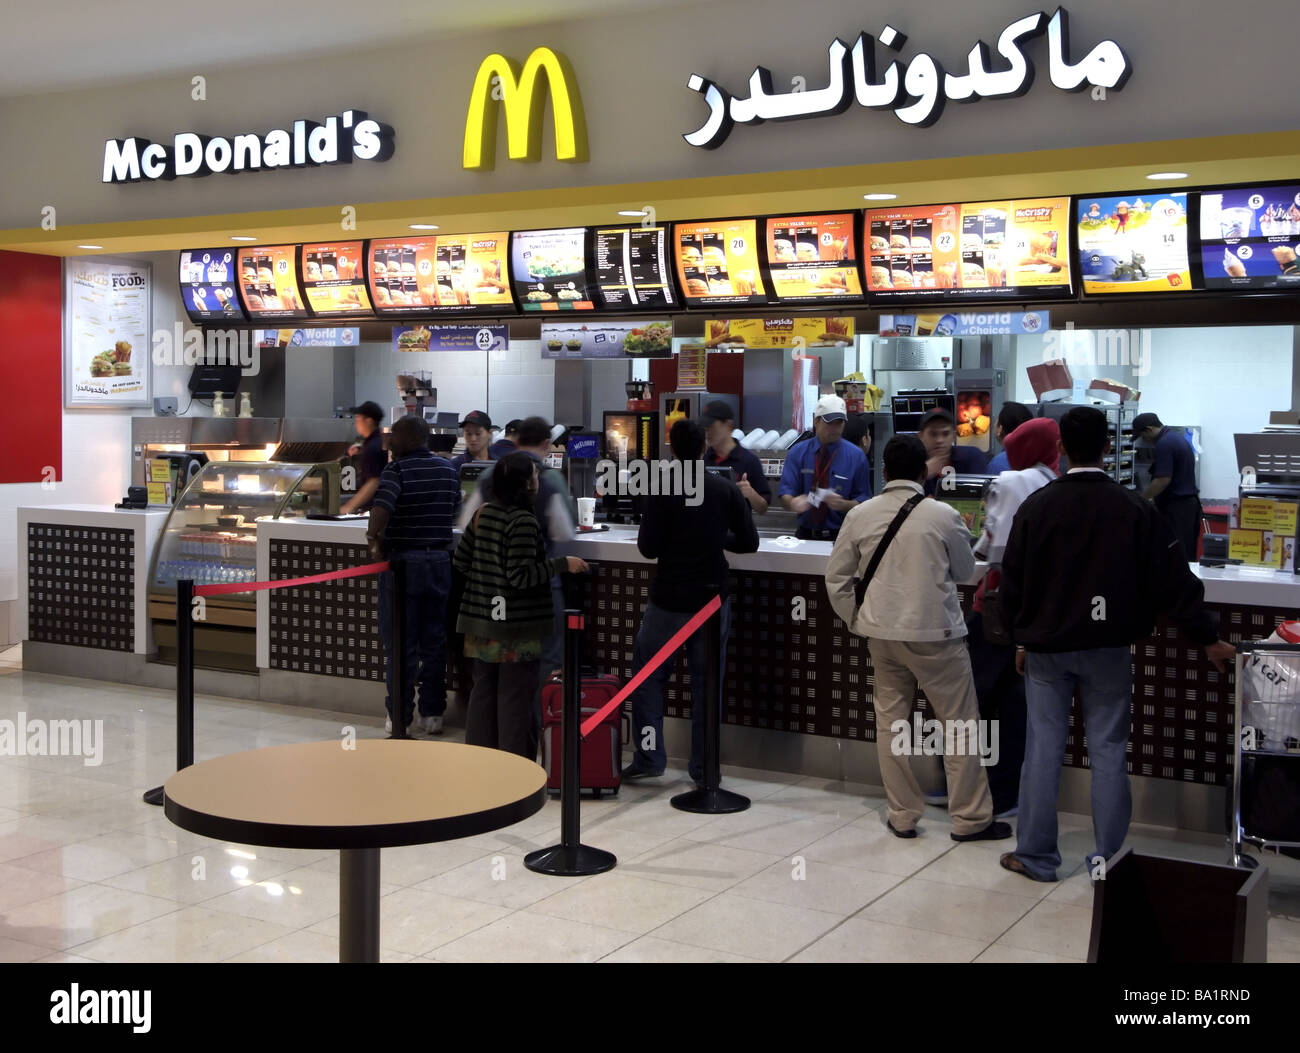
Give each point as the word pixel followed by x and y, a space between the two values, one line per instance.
pixel 717 263
pixel 992 250
pixel 268 283
pixel 549 269
pixel 208 285
pixel 1250 238
pixel 334 278
pixel 1127 245
pixel 631 266
pixel 811 259
pixel 449 273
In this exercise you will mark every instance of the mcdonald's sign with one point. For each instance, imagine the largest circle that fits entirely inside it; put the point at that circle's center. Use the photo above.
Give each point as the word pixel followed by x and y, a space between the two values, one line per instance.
pixel 523 95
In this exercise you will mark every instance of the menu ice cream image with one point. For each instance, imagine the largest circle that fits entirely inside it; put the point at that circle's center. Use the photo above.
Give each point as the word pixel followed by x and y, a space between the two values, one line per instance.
pixel 1250 238
pixel 632 267
pixel 464 273
pixel 717 263
pixel 333 276
pixel 1127 244
pixel 208 283
pixel 981 250
pixel 813 258
pixel 107 355
pixel 549 269
pixel 268 282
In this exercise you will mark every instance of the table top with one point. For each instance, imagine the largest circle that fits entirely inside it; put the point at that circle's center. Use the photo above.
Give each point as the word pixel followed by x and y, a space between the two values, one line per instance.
pixel 382 794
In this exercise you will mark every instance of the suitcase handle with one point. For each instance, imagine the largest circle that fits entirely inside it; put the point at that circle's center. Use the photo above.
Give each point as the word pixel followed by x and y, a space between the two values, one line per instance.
pixel 1246 646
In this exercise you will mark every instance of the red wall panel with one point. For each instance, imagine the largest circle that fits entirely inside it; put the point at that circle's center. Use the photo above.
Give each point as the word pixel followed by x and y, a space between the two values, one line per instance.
pixel 31 328
pixel 726 373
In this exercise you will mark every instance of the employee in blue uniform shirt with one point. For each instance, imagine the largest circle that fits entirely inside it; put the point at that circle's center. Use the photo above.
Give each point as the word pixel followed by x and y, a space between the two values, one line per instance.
pixel 724 451
pixel 477 429
pixel 1010 417
pixel 1173 480
pixel 824 476
pixel 509 441
pixel 938 432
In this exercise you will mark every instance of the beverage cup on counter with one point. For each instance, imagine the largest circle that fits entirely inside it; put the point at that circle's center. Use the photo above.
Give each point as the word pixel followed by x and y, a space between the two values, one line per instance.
pixel 586 511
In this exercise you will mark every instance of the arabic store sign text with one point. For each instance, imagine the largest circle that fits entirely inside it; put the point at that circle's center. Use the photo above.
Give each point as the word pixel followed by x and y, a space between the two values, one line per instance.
pixel 965 323
pixel 916 89
pixel 779 332
pixel 451 338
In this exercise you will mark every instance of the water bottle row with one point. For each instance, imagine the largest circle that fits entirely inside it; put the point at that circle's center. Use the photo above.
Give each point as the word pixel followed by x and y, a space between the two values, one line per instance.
pixel 202 572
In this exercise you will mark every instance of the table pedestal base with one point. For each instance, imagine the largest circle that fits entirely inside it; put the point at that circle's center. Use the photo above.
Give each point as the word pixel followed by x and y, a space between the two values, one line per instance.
pixel 573 861
pixel 359 905
pixel 710 802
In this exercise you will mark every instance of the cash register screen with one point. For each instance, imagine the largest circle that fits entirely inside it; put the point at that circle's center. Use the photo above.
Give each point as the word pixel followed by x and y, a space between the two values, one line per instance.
pixel 719 469
pixel 469 473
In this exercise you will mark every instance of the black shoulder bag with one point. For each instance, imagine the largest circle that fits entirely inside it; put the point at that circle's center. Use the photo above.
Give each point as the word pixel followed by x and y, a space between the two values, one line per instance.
pixel 860 584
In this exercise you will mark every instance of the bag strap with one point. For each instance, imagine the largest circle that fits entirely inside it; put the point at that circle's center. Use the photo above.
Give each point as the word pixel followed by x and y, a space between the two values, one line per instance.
pixel 860 586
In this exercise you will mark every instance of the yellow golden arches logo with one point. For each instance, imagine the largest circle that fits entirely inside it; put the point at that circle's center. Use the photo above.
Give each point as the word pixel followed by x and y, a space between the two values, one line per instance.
pixel 521 93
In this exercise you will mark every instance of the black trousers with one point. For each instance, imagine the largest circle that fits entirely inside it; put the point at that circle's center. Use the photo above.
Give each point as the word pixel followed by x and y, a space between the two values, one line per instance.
pixel 1183 514
pixel 1001 693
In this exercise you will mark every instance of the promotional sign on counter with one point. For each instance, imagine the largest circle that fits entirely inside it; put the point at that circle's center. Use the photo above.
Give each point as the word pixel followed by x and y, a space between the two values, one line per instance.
pixel 717 263
pixel 451 338
pixel 607 340
pixel 1262 532
pixel 268 283
pixel 1250 238
pixel 334 277
pixel 632 267
pixel 208 285
pixel 1129 245
pixel 1009 250
pixel 107 322
pixel 307 337
pixel 549 269
pixel 461 273
pixel 966 323
pixel 814 258
pixel 779 332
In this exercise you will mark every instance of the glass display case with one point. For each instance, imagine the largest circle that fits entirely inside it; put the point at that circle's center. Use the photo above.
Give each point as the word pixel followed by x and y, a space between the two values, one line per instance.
pixel 211 533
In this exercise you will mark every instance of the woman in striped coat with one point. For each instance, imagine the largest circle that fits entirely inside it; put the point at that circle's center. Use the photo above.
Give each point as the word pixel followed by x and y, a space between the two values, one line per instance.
pixel 506 612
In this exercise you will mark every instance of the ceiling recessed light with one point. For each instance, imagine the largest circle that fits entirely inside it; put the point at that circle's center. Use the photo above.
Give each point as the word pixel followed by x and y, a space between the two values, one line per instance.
pixel 424 226
pixel 1167 175
pixel 633 212
pixel 241 237
pixel 879 197
pixel 90 246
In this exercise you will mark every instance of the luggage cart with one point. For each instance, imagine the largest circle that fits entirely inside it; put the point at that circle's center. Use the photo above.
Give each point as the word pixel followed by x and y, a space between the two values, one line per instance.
pixel 1266 754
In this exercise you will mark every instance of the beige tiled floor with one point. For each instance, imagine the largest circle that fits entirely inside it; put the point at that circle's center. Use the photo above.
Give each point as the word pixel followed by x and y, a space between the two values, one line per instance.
pixel 90 873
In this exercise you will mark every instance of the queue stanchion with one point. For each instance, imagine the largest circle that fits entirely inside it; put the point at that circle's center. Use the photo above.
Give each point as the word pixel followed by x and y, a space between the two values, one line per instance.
pixel 184 684
pixel 570 858
pixel 712 799
pixel 397 661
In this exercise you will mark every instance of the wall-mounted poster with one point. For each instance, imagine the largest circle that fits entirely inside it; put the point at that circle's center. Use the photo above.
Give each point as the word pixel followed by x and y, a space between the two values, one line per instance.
pixel 107 312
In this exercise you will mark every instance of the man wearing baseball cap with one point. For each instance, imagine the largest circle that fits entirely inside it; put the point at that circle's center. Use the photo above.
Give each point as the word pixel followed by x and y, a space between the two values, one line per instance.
pixel 477 429
pixel 509 441
pixel 373 456
pixel 938 431
pixel 1173 480
pixel 719 420
pixel 824 476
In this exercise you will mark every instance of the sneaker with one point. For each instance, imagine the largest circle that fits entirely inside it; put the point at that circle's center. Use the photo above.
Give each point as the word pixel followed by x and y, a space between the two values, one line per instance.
pixel 388 726
pixel 429 725
pixel 939 800
pixel 992 832
pixel 634 771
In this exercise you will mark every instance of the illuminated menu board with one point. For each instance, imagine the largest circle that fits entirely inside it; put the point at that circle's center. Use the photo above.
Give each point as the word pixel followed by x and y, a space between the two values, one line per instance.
pixel 1250 238
pixel 1131 245
pixel 549 268
pixel 268 283
pixel 813 258
pixel 449 273
pixel 208 284
pixel 631 265
pixel 334 278
pixel 717 263
pixel 996 250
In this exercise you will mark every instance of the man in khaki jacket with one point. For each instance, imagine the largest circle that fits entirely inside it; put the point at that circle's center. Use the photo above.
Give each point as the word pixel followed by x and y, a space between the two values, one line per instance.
pixel 912 616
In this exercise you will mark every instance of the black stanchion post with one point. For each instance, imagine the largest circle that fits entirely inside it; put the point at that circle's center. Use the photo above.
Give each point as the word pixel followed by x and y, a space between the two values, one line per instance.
pixel 184 683
pixel 570 857
pixel 398 608
pixel 712 799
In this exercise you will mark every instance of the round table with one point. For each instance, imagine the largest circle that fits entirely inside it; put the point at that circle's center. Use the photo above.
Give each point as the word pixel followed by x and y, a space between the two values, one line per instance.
pixel 358 797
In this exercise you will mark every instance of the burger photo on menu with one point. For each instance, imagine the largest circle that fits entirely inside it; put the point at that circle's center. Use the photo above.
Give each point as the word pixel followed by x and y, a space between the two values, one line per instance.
pixel 717 262
pixel 813 257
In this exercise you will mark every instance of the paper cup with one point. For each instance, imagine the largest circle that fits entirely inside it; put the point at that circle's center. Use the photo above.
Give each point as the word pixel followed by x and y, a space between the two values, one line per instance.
pixel 586 511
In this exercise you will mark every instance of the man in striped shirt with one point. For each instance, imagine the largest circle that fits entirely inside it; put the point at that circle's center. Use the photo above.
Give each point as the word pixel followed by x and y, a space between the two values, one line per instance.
pixel 411 521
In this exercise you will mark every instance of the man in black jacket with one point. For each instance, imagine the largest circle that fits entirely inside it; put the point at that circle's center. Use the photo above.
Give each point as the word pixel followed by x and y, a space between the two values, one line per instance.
pixel 1088 568
pixel 687 534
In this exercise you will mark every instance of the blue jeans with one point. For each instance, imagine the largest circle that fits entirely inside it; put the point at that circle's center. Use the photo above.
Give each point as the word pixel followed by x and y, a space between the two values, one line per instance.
pixel 657 628
pixel 428 581
pixel 1104 677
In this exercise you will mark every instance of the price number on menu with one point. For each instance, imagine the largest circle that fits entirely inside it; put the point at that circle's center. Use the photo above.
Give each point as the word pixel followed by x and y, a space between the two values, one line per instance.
pixel 1256 201
pixel 282 266
pixel 484 340
pixel 425 268
pixel 1244 252
pixel 946 242
pixel 738 246
pixel 827 237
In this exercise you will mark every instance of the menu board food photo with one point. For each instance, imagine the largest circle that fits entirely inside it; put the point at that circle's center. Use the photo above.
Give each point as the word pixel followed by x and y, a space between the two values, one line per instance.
pixel 449 273
pixel 717 263
pixel 549 268
pixel 1250 238
pixel 813 258
pixel 631 266
pixel 1129 245
pixel 268 283
pixel 334 278
pixel 208 285
pixel 999 250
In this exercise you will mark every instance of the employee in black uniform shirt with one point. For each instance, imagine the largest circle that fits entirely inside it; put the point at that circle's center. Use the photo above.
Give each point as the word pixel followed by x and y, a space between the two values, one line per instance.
pixel 1173 480
pixel 373 456
pixel 477 429
pixel 509 441
pixel 724 451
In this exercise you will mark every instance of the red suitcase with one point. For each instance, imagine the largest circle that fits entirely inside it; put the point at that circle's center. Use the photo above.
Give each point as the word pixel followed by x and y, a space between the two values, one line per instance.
pixel 601 753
